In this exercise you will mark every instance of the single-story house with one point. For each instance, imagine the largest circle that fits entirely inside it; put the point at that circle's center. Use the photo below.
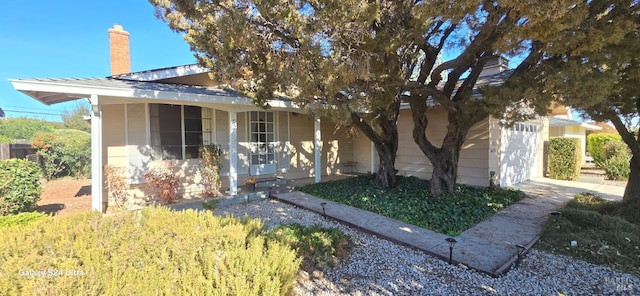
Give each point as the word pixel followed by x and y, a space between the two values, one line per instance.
pixel 562 124
pixel 159 117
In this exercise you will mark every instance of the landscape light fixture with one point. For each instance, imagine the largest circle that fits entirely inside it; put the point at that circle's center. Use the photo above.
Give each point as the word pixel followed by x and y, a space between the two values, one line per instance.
pixel 555 215
pixel 452 242
pixel 521 250
pixel 324 214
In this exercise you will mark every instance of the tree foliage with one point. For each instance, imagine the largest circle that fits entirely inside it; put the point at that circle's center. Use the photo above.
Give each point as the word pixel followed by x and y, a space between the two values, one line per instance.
pixel 357 61
pixel 595 69
pixel 76 118
pixel 333 58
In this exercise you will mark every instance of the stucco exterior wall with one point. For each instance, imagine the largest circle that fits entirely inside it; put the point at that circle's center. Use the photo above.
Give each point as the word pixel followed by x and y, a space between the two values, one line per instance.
pixel 336 147
pixel 361 150
pixel 113 139
pixel 473 167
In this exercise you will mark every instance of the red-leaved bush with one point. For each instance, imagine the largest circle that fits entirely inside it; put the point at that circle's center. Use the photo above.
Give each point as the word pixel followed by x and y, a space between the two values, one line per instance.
pixel 163 184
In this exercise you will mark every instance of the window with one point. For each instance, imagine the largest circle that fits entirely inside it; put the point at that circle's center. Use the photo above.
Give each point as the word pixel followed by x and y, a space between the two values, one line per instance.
pixel 193 122
pixel 262 138
pixel 177 131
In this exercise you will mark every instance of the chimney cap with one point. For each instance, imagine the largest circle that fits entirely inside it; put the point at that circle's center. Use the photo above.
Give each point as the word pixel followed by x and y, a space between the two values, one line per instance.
pixel 118 28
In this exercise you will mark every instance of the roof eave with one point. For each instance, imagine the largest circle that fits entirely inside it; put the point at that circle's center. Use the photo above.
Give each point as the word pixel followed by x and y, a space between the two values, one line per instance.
pixel 591 127
pixel 35 90
pixel 50 93
pixel 40 90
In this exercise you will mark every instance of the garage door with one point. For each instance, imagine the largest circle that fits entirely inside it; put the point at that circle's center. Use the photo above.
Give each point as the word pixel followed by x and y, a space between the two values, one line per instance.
pixel 520 153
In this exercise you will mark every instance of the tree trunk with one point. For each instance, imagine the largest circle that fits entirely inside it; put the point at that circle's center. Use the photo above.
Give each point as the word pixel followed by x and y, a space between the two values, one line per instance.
pixel 444 159
pixel 632 191
pixel 385 139
pixel 386 175
pixel 445 170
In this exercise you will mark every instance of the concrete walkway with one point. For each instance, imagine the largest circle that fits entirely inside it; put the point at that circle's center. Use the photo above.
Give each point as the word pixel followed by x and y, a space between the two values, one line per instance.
pixel 490 246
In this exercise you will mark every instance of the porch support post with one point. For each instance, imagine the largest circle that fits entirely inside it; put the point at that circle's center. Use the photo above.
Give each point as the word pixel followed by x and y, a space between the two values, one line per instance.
pixel 233 153
pixel 317 143
pixel 373 158
pixel 96 155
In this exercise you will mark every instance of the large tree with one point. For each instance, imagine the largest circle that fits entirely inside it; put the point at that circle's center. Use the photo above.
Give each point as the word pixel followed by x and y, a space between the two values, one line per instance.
pixel 596 70
pixel 357 61
pixel 76 118
pixel 342 59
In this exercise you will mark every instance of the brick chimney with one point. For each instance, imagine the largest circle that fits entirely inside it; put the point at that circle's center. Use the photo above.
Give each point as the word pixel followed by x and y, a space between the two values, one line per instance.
pixel 119 48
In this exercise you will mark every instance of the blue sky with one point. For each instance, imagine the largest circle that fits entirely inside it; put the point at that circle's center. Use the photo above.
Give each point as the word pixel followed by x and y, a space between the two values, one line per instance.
pixel 54 39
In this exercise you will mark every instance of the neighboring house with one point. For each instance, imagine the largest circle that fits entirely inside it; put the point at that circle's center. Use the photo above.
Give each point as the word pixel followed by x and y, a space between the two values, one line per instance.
pixel 159 118
pixel 561 124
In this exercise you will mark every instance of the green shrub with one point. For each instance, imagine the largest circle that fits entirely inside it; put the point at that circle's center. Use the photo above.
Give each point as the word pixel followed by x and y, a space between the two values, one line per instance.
pixel 24 128
pixel 151 252
pixel 21 219
pixel 564 158
pixel 319 246
pixel 595 144
pixel 64 153
pixel 616 160
pixel 5 139
pixel 19 185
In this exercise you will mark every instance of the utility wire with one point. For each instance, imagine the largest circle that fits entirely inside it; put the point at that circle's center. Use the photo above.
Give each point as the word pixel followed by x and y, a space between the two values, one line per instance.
pixel 21 107
pixel 28 112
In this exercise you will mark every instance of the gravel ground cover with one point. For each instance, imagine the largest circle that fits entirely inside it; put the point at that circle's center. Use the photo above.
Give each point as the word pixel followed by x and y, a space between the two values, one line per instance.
pixel 380 267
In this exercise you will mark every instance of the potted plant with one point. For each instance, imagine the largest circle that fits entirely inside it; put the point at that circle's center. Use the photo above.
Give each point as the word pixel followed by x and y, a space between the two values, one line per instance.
pixel 251 182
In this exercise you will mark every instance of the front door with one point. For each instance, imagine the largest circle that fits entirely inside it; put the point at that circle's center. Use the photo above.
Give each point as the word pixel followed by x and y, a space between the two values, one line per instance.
pixel 262 136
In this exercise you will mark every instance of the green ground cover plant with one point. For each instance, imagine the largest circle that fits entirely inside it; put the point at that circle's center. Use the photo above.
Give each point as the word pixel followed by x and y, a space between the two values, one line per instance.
pixel 410 202
pixel 606 232
pixel 151 252
pixel 319 246
pixel 210 205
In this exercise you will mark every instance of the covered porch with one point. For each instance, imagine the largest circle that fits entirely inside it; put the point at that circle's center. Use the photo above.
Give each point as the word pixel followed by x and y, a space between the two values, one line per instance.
pixel 127 131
